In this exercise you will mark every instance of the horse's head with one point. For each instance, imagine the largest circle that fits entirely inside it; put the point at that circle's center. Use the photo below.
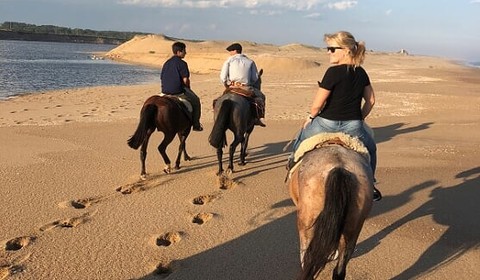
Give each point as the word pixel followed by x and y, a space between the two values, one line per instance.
pixel 258 83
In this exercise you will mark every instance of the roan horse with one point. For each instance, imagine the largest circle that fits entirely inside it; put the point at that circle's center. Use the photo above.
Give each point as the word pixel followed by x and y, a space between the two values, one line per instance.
pixel 165 114
pixel 234 112
pixel 332 189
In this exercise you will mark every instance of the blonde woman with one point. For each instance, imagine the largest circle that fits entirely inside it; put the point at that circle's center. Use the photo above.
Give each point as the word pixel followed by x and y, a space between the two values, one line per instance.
pixel 337 106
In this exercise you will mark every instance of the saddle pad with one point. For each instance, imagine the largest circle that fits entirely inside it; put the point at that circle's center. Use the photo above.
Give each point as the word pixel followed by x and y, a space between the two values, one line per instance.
pixel 181 98
pixel 323 138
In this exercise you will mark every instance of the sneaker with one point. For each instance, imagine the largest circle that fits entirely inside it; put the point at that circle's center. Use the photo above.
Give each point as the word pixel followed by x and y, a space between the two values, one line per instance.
pixel 260 123
pixel 197 127
pixel 377 195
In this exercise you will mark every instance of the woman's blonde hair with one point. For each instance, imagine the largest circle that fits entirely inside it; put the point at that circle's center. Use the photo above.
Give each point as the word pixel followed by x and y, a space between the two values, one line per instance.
pixel 344 39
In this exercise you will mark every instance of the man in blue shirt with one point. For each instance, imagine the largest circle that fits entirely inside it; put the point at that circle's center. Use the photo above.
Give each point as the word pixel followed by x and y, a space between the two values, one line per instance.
pixel 175 78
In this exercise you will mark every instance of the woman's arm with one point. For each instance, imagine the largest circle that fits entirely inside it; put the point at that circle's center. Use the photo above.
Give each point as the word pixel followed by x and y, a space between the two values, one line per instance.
pixel 317 105
pixel 319 101
pixel 369 97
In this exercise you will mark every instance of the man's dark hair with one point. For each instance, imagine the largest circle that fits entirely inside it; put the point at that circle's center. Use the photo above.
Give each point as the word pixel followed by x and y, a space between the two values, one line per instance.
pixel 178 47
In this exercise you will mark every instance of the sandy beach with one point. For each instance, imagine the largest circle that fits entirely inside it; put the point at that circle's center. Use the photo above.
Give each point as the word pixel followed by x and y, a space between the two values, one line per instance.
pixel 73 205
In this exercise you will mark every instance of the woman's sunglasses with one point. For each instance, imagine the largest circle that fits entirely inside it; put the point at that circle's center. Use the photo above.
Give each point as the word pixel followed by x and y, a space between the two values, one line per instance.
pixel 332 49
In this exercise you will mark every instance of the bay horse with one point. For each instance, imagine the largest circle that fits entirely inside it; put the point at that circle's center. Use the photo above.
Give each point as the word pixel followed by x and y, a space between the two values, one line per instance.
pixel 166 114
pixel 332 190
pixel 232 112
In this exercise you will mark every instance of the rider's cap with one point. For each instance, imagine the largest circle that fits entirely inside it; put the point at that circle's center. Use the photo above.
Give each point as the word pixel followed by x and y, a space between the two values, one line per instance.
pixel 235 47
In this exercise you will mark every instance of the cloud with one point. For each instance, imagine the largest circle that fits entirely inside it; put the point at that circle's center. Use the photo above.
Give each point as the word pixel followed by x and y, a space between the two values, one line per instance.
pixel 266 12
pixel 475 1
pixel 342 5
pixel 388 12
pixel 313 16
pixel 249 4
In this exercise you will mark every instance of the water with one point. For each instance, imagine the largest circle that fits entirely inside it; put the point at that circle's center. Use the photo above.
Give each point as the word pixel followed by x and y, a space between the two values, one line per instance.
pixel 27 67
pixel 474 64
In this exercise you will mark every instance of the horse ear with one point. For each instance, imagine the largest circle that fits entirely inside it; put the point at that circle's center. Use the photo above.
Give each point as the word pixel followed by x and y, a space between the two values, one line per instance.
pixel 260 73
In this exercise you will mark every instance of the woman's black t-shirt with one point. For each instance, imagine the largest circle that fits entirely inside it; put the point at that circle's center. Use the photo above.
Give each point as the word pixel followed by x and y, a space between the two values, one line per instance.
pixel 346 84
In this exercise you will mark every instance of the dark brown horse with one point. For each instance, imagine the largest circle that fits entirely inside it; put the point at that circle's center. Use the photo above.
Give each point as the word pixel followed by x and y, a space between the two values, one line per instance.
pixel 165 114
pixel 332 189
pixel 233 112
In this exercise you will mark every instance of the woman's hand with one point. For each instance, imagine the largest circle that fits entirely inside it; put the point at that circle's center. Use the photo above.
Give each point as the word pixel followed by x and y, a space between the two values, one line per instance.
pixel 307 122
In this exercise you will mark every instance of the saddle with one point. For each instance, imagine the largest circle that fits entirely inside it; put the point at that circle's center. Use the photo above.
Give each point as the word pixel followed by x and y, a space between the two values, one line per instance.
pixel 327 139
pixel 244 91
pixel 182 102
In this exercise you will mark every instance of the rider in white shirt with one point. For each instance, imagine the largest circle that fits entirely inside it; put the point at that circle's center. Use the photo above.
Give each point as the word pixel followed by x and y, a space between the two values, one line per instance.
pixel 240 71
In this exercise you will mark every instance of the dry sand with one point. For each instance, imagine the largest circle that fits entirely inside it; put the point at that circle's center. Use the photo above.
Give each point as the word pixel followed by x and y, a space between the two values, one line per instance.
pixel 73 206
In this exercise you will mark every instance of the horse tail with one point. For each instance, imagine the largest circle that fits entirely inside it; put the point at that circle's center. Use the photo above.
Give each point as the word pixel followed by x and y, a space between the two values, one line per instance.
pixel 329 224
pixel 147 121
pixel 217 137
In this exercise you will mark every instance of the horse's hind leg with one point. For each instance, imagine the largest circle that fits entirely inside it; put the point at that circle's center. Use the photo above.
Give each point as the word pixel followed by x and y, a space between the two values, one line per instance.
pixel 345 252
pixel 181 149
pixel 232 148
pixel 162 148
pixel 219 159
pixel 183 138
pixel 143 153
pixel 243 149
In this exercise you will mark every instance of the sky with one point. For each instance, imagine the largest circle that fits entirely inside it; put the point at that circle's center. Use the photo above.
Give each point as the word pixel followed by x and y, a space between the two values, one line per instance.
pixel 443 28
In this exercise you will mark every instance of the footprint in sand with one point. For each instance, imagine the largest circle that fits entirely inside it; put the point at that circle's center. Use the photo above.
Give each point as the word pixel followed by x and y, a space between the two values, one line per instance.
pixel 68 223
pixel 202 218
pixel 204 199
pixel 169 238
pixel 18 243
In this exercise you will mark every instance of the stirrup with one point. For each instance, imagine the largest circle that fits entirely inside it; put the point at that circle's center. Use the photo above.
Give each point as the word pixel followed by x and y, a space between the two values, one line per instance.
pixel 377 195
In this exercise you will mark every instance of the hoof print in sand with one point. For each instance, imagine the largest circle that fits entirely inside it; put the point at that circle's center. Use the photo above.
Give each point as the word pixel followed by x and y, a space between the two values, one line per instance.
pixel 169 238
pixel 18 243
pixel 204 199
pixel 163 270
pixel 68 223
pixel 202 218
pixel 225 182
pixel 132 188
pixel 85 202
pixel 9 270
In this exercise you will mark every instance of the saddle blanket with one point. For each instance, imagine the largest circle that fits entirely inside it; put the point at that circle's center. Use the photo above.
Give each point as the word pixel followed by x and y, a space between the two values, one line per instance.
pixel 181 98
pixel 324 139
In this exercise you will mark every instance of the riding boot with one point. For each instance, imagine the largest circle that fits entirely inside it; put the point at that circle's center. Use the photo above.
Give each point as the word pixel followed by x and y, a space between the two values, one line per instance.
pixel 260 109
pixel 259 122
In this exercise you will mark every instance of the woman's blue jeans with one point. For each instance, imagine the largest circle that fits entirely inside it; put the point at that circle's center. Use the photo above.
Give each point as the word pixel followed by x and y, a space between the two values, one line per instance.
pixel 352 127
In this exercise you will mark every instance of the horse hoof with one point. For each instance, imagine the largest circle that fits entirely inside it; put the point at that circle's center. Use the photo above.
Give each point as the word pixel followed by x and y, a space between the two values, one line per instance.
pixel 143 177
pixel 229 172
pixel 333 256
pixel 167 170
pixel 242 163
pixel 177 168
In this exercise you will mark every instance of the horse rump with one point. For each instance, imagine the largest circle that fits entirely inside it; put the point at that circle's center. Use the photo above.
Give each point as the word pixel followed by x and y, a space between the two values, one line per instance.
pixel 329 225
pixel 218 136
pixel 147 121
